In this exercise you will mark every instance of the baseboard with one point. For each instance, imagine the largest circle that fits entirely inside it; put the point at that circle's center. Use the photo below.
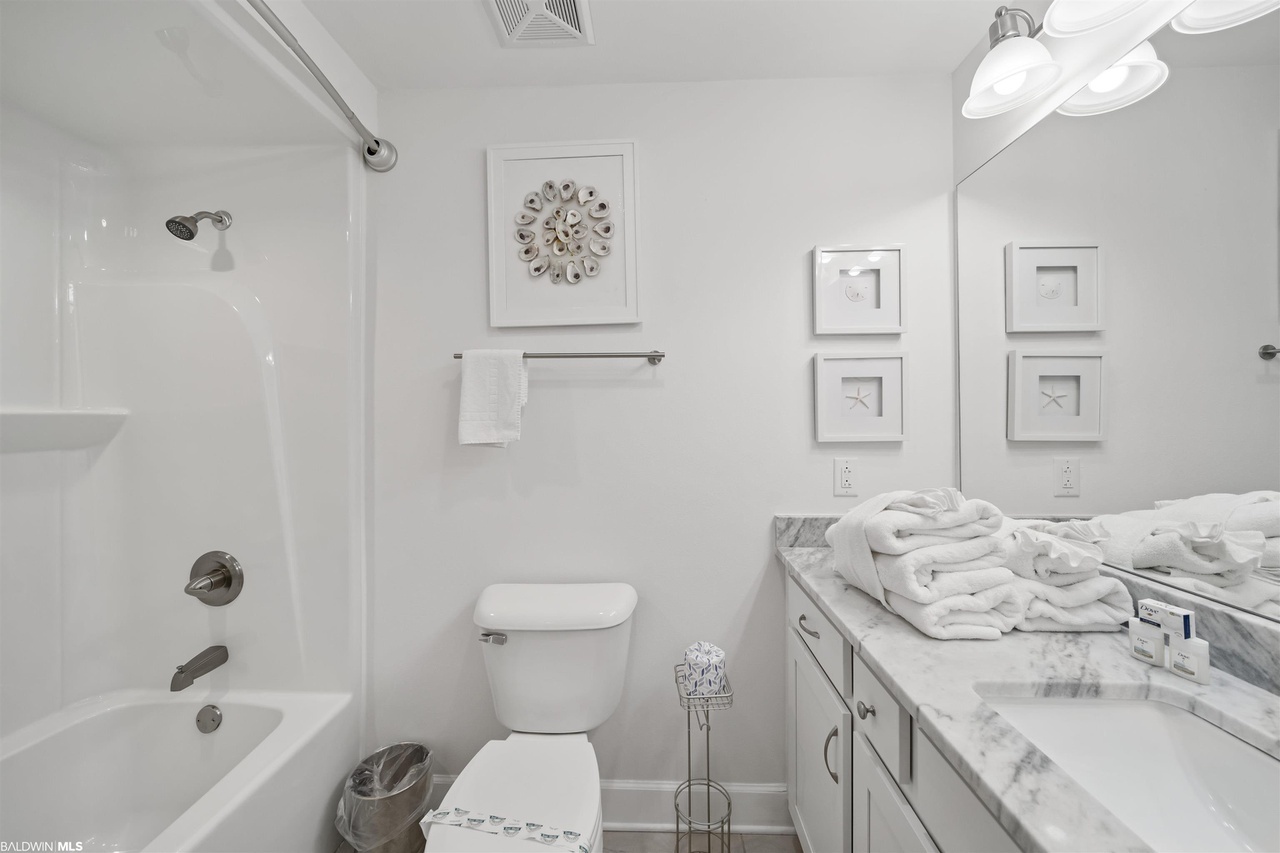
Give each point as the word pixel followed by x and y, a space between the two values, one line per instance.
pixel 639 805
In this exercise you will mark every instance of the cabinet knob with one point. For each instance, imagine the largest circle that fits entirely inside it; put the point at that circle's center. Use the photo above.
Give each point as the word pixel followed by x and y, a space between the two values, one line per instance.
pixel 865 711
pixel 809 631
pixel 826 745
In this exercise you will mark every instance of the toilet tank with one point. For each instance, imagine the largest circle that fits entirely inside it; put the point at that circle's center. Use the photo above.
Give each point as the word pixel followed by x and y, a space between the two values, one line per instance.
pixel 564 658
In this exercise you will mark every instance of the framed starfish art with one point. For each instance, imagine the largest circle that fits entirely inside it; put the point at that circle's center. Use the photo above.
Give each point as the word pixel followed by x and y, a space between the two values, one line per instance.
pixel 1055 396
pixel 860 397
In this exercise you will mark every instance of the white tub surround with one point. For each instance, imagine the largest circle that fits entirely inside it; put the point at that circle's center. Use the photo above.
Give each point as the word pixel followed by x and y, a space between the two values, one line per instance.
pixel 941 686
pixel 134 773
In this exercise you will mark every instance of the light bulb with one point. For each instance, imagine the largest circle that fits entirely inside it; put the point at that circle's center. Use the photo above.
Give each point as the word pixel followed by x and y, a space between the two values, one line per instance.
pixel 1010 84
pixel 1110 79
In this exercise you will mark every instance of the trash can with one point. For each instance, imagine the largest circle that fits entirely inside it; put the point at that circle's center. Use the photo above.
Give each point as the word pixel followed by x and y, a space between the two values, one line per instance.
pixel 384 798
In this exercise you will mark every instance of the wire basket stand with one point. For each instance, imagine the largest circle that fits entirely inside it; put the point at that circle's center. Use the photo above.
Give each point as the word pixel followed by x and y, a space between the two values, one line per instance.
pixel 716 822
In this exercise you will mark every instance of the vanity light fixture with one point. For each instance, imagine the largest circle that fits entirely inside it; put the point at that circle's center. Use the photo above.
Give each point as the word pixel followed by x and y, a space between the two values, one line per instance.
pixel 1017 70
pixel 1066 18
pixel 1134 76
pixel 1209 16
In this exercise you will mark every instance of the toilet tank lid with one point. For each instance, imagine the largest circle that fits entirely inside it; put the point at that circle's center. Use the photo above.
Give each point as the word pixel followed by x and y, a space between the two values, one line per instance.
pixel 554 606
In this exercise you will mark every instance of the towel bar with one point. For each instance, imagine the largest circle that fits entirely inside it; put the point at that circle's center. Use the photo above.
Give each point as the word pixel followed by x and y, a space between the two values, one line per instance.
pixel 654 356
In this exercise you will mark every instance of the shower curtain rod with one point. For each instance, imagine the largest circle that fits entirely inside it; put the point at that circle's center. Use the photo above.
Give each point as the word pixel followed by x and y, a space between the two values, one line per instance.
pixel 379 154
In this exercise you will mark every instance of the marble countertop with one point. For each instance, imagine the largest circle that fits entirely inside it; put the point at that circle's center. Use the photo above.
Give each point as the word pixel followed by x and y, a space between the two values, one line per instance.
pixel 941 683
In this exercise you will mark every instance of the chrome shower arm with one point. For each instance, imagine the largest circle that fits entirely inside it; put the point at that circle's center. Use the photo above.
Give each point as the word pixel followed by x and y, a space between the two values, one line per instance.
pixel 379 154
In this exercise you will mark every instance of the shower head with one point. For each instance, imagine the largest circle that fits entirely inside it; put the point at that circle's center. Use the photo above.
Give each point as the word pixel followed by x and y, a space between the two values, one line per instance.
pixel 185 228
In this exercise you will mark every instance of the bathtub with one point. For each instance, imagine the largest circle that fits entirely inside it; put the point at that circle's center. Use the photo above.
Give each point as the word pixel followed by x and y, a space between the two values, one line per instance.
pixel 130 771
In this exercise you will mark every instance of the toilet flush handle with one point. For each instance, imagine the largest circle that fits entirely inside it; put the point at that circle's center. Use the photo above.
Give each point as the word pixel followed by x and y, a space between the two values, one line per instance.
pixel 493 637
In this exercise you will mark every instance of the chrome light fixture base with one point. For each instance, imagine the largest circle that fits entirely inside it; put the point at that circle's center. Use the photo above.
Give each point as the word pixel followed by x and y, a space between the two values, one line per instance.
pixel 1017 70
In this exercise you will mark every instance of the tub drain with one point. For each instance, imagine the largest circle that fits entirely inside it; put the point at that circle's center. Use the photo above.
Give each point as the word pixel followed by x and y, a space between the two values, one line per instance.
pixel 208 718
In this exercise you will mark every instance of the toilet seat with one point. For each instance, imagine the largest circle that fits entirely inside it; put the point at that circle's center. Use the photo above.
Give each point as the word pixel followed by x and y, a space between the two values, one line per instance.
pixel 552 779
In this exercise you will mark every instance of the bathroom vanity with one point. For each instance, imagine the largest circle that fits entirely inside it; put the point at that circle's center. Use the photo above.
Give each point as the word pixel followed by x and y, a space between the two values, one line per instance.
pixel 895 740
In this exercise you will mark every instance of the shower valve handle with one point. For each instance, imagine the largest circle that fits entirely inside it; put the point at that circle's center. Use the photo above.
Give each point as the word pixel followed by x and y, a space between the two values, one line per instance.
pixel 216 579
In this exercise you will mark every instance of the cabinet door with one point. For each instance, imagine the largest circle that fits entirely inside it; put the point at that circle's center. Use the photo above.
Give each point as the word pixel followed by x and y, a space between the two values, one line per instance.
pixel 883 821
pixel 818 769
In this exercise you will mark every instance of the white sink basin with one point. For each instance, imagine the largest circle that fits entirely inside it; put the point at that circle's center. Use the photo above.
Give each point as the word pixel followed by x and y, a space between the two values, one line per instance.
pixel 1178 782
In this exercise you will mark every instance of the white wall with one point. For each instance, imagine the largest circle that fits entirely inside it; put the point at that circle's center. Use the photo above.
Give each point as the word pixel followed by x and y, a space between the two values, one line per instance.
pixel 1180 190
pixel 667 477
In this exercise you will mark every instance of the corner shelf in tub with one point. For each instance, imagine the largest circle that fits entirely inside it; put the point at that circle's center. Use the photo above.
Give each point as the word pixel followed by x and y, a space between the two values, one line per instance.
pixel 24 430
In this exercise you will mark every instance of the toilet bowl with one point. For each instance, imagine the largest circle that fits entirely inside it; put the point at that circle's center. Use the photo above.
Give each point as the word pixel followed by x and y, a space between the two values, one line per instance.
pixel 556 658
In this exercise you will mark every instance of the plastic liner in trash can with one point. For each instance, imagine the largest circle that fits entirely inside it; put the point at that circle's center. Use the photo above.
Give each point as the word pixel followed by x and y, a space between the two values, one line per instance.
pixel 386 795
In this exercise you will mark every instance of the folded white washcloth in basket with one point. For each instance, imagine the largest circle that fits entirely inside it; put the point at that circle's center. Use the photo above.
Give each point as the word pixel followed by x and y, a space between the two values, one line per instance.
pixel 495 387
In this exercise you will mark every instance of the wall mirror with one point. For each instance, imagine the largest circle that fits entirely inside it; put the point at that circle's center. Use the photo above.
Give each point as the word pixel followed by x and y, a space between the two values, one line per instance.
pixel 1143 240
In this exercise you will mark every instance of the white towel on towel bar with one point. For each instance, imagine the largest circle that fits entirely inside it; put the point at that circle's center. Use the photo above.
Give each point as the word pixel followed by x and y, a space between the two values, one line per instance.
pixel 495 387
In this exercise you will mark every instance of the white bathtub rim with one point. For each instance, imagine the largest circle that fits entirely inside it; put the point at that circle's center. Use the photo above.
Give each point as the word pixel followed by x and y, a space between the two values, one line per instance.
pixel 304 715
pixel 289 738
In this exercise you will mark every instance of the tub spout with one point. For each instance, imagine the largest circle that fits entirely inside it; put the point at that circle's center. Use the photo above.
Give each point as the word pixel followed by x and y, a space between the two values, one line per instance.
pixel 205 662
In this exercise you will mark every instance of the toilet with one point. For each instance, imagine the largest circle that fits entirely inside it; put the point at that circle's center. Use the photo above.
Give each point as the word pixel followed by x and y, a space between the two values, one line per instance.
pixel 556 657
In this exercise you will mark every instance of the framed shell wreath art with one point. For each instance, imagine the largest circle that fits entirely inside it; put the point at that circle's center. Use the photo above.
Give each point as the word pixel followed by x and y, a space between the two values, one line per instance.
pixel 575 232
pixel 562 249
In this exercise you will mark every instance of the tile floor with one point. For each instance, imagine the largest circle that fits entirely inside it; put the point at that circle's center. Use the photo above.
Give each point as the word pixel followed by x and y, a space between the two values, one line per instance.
pixel 664 842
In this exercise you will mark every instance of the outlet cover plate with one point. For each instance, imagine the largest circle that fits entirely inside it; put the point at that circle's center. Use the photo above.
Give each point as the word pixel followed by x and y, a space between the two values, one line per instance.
pixel 843 475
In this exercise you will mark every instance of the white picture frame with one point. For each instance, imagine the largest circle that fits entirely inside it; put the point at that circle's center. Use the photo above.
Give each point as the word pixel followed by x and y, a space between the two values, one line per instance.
pixel 860 397
pixel 610 295
pixel 858 290
pixel 1056 395
pixel 1053 288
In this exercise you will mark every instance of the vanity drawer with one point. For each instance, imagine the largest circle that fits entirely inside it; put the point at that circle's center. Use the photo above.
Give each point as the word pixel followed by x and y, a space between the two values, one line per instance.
pixel 819 635
pixel 885 723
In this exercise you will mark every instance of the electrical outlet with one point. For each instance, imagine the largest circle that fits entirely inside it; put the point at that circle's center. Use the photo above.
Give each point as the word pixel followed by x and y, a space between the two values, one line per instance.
pixel 844 477
pixel 1066 470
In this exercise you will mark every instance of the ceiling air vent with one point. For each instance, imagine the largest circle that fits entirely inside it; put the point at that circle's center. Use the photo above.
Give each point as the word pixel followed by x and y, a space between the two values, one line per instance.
pixel 542 23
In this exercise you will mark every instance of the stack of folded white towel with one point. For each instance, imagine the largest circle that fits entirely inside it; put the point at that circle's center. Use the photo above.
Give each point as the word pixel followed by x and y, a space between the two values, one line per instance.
pixel 954 569
pixel 1057 568
pixel 1206 544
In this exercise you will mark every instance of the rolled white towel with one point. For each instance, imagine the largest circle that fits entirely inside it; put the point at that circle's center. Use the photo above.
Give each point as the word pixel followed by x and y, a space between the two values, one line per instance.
pixel 930 517
pixel 1258 510
pixel 984 615
pixel 1271 553
pixel 928 574
pixel 1201 549
pixel 1060 579
pixel 848 539
pixel 1032 553
pixel 1079 606
pixel 1143 539
pixel 703 670
pixel 1264 517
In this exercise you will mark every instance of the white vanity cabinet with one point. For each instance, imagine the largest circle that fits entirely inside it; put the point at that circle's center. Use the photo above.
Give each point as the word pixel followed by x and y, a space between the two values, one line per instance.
pixel 883 821
pixel 861 776
pixel 819 728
